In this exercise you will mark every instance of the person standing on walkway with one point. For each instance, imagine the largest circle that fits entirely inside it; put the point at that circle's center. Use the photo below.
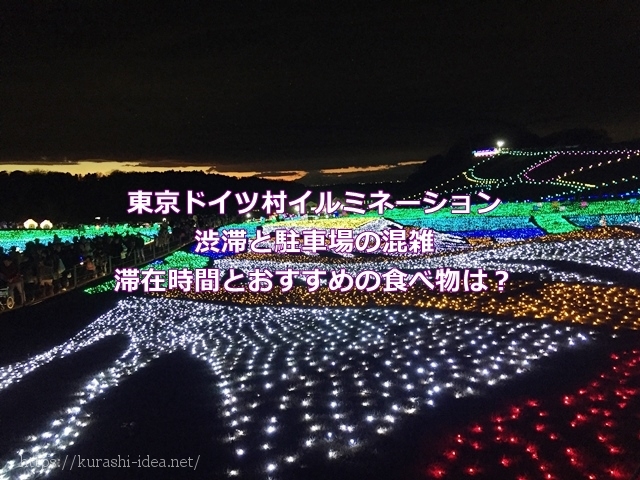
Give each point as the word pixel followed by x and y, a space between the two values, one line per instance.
pixel 10 273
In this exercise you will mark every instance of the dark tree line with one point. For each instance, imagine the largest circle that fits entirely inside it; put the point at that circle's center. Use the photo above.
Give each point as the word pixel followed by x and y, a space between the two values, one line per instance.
pixel 62 197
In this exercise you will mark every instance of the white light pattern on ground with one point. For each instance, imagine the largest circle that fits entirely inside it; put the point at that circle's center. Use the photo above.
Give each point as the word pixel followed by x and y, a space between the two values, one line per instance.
pixel 296 379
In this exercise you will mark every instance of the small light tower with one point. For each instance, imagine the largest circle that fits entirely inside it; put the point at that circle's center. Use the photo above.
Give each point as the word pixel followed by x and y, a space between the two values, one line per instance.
pixel 500 144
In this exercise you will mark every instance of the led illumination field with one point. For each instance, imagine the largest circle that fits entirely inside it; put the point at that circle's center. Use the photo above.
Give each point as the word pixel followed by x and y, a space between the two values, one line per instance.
pixel 587 221
pixel 590 433
pixel 593 305
pixel 518 215
pixel 303 375
pixel 322 379
pixel 19 238
pixel 621 254
pixel 566 172
pixel 514 221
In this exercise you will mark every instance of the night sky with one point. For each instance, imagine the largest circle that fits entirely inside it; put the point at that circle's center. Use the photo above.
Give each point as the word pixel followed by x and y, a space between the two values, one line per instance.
pixel 301 85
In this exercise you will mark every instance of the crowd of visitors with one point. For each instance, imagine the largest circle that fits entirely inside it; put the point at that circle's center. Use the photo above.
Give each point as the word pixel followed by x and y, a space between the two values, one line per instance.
pixel 43 270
